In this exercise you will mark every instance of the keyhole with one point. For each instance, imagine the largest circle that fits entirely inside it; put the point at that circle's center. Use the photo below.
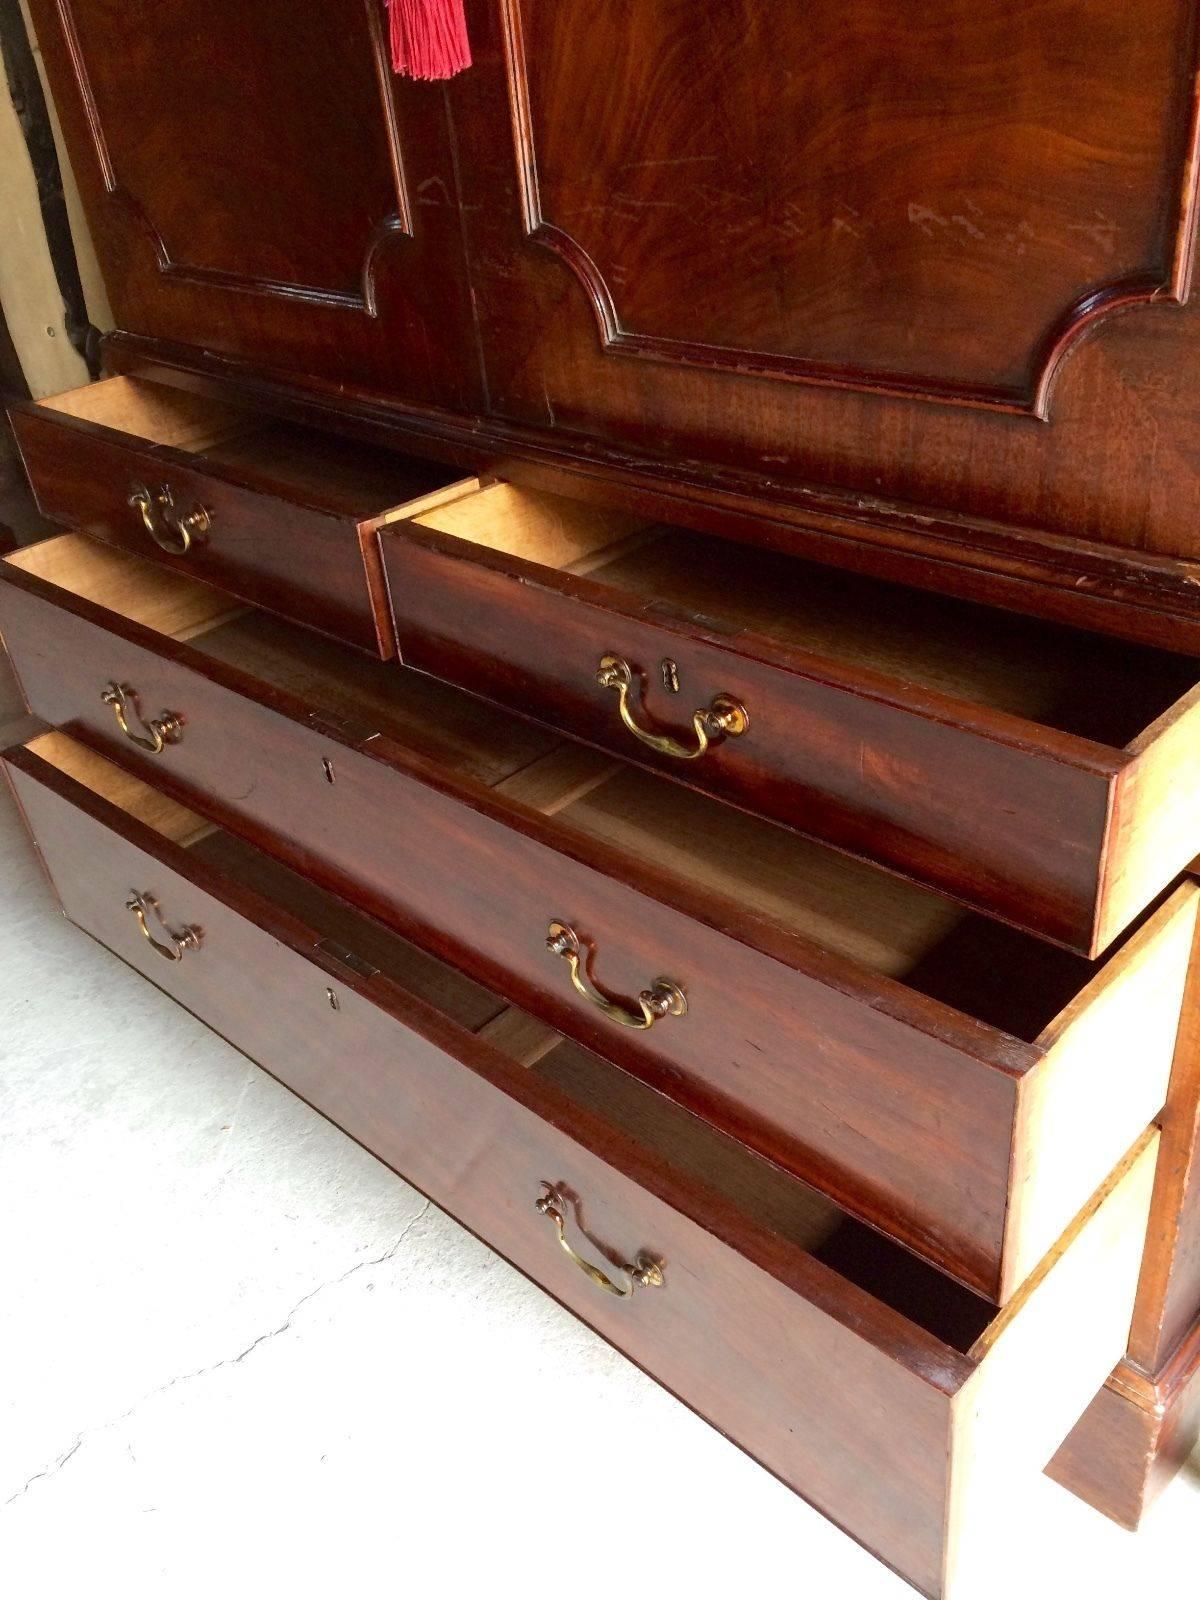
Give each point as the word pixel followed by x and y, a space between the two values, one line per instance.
pixel 334 1003
pixel 327 767
pixel 670 676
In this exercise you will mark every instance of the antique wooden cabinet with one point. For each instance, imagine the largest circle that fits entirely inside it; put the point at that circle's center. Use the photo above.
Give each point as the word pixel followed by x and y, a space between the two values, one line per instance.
pixel 311 220
pixel 722 477
pixel 906 295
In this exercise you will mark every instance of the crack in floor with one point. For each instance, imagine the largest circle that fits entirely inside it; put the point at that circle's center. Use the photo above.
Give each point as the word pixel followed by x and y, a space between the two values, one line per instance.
pixel 389 1254
pixel 253 1073
pixel 46 1472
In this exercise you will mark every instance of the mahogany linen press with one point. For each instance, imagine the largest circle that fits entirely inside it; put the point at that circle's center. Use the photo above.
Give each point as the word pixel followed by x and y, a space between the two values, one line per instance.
pixel 629 627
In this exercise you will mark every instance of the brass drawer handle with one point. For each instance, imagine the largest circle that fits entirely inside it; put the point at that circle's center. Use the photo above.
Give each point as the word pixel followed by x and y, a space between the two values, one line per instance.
pixel 664 998
pixel 161 731
pixel 645 1271
pixel 188 938
pixel 724 718
pixel 169 530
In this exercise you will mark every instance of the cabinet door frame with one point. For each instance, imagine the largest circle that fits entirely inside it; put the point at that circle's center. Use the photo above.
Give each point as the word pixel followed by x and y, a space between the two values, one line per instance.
pixel 1049 473
pixel 398 316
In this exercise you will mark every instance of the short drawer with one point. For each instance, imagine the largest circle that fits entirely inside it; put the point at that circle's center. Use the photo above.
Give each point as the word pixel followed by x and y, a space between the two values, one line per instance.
pixel 1043 775
pixel 949 1080
pixel 900 1405
pixel 276 514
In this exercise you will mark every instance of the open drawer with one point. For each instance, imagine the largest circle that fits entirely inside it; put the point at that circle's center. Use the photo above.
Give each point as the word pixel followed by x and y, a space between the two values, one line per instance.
pixel 275 513
pixel 950 1080
pixel 900 1405
pixel 1044 775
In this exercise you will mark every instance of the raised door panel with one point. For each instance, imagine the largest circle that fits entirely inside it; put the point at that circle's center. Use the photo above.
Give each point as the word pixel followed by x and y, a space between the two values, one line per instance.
pixel 261 185
pixel 925 202
pixel 853 244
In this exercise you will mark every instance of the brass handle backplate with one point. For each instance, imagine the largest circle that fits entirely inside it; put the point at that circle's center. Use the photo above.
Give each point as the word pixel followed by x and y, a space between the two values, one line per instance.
pixel 664 998
pixel 723 718
pixel 644 1271
pixel 160 731
pixel 171 530
pixel 145 906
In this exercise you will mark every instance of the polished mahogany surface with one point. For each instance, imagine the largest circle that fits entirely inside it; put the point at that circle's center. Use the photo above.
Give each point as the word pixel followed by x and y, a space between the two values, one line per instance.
pixel 904 291
pixel 937 258
pixel 257 181
pixel 271 512
pixel 1003 760
pixel 907 291
pixel 930 205
pixel 1135 1436
pixel 872 1386
pixel 922 1066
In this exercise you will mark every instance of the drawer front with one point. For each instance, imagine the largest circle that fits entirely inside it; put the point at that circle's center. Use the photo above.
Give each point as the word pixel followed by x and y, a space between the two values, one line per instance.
pixel 876 1422
pixel 313 566
pixel 1015 828
pixel 909 1124
pixel 750 1354
pixel 901 1127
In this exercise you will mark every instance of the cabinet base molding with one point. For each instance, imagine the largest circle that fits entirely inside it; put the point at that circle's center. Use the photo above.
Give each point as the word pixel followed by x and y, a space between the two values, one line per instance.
pixel 1135 1437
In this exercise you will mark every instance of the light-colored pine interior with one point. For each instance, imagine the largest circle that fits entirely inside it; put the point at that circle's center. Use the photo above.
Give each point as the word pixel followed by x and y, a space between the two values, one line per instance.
pixel 1096 688
pixel 140 590
pixel 368 696
pixel 305 464
pixel 121 789
pixel 1105 1071
pixel 152 411
pixel 1038 1365
pixel 1155 821
pixel 546 528
pixel 776 1201
pixel 1015 1380
pixel 883 923
pixel 780 1203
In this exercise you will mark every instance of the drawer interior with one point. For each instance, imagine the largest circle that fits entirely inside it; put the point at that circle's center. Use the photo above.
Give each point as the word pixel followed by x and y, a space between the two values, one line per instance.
pixel 1059 677
pixel 454 729
pixel 885 924
pixel 286 458
pixel 781 1204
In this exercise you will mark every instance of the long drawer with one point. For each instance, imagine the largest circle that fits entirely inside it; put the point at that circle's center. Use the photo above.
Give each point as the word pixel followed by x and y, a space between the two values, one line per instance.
pixel 280 515
pixel 900 1405
pixel 1044 775
pixel 950 1081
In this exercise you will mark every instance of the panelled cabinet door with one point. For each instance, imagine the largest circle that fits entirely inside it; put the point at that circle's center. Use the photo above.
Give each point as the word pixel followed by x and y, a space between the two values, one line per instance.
pixel 936 252
pixel 261 186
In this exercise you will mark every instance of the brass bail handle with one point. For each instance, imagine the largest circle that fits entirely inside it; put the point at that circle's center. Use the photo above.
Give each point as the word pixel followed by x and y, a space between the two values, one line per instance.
pixel 160 731
pixel 664 997
pixel 145 906
pixel 723 718
pixel 644 1271
pixel 170 530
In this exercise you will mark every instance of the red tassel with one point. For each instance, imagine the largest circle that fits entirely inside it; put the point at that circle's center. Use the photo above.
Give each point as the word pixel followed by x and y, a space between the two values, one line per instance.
pixel 429 38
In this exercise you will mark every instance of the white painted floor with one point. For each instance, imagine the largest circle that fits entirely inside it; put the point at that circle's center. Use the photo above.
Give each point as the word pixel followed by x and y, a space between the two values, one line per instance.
pixel 239 1357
